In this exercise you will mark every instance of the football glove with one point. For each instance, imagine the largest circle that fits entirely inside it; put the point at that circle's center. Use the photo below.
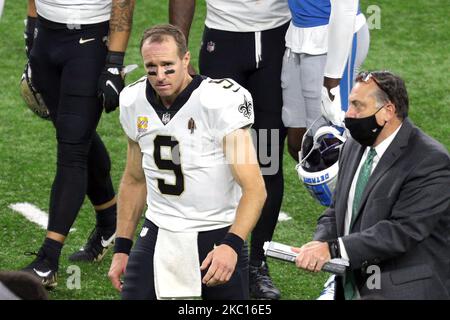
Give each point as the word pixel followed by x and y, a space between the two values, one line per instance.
pixel 111 81
pixel 331 109
pixel 30 25
pixel 31 96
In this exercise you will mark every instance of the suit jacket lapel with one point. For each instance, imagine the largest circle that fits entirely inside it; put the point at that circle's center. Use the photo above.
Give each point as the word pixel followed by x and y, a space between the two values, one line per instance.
pixel 392 153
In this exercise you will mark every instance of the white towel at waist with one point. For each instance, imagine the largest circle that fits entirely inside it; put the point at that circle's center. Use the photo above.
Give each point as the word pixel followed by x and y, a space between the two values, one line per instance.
pixel 176 265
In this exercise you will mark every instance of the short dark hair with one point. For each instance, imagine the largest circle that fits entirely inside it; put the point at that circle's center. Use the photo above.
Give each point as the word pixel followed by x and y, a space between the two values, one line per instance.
pixel 23 285
pixel 390 87
pixel 160 32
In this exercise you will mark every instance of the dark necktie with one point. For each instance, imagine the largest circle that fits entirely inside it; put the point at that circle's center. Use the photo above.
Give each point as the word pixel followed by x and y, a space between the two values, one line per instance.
pixel 361 183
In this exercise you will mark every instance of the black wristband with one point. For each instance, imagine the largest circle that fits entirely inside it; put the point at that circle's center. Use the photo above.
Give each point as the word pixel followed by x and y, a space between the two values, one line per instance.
pixel 115 58
pixel 234 241
pixel 335 251
pixel 31 24
pixel 123 245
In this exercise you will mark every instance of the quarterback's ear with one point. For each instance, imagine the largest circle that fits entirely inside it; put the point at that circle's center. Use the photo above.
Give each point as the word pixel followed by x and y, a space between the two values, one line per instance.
pixel 186 59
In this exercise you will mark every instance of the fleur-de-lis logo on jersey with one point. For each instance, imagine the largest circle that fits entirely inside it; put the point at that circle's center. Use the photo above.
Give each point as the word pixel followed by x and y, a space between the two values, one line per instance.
pixel 246 108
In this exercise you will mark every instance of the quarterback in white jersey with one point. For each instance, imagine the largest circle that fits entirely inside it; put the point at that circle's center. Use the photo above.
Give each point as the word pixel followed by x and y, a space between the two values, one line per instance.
pixel 191 160
pixel 190 186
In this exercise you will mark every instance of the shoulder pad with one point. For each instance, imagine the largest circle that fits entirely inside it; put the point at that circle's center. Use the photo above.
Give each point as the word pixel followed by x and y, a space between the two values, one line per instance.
pixel 221 93
pixel 130 92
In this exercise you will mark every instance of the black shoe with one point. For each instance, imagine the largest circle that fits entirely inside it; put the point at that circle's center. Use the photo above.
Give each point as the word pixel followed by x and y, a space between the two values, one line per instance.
pixel 261 285
pixel 97 245
pixel 41 268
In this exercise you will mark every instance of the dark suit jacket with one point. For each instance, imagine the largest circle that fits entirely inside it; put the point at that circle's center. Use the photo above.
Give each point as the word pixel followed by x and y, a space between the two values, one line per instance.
pixel 403 225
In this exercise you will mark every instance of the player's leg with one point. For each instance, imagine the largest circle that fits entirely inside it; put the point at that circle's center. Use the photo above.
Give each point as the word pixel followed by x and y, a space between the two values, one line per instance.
pixel 265 86
pixel 293 112
pixel 101 193
pixel 312 71
pixel 46 79
pixel 77 118
pixel 237 288
pixel 139 283
pixel 301 97
pixel 219 58
pixel 301 82
pixel 75 121
pixel 78 115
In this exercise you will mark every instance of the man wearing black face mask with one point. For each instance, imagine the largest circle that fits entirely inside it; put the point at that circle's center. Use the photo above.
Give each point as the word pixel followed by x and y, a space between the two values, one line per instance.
pixel 391 211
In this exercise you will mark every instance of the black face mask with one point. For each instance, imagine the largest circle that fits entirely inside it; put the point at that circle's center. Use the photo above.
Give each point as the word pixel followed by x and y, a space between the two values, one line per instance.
pixel 364 130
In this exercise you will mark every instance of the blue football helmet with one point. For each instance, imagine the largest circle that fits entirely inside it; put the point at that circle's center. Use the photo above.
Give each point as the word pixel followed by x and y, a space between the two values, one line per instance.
pixel 318 166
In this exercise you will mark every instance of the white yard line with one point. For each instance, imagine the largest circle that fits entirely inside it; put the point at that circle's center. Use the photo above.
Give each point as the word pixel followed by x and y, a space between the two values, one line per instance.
pixel 32 213
pixel 283 216
pixel 39 217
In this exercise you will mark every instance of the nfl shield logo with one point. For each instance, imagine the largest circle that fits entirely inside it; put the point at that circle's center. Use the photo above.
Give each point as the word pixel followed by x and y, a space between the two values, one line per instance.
pixel 210 46
pixel 165 118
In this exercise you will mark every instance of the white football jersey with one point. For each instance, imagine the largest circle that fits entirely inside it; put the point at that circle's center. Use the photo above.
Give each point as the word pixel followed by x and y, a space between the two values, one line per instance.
pixel 75 11
pixel 190 186
pixel 246 15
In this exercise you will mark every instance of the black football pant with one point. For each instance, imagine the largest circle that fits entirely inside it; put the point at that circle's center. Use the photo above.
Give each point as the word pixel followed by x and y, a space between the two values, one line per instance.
pixel 233 55
pixel 66 64
pixel 139 277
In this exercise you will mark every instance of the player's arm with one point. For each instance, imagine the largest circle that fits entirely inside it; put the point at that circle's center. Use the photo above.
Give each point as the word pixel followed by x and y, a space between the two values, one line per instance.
pixel 120 24
pixel 340 36
pixel 32 8
pixel 111 81
pixel 30 26
pixel 240 153
pixel 181 14
pixel 132 193
pixel 131 203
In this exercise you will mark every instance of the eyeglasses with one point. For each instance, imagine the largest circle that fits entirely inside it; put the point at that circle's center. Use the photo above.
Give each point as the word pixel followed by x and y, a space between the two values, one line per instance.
pixel 365 76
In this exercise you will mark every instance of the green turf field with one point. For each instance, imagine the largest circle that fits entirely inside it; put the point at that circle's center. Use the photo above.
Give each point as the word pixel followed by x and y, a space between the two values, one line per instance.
pixel 413 41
